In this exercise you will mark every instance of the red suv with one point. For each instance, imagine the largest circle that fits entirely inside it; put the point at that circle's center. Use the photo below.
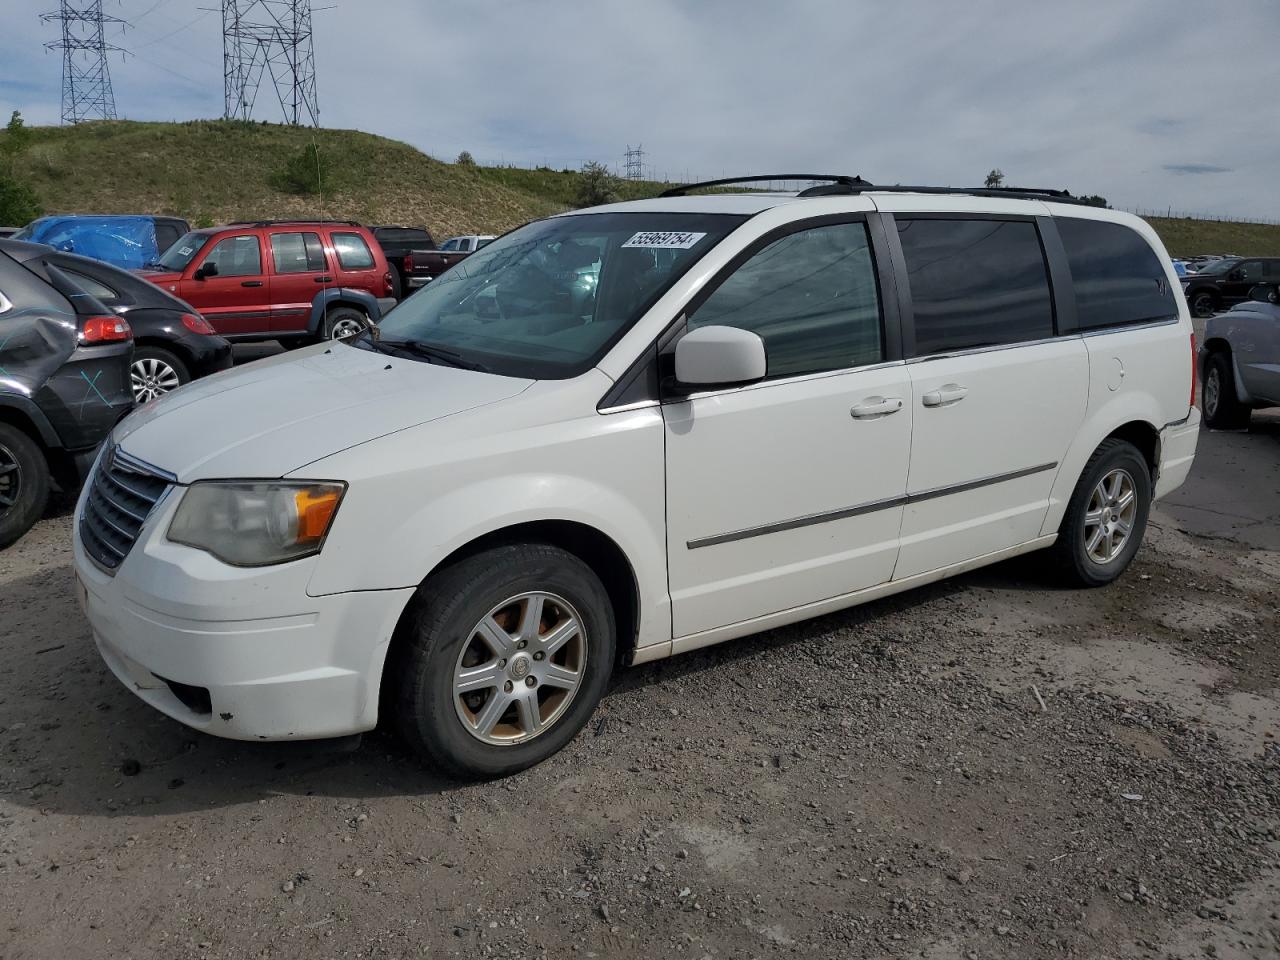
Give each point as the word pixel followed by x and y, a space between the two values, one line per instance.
pixel 280 280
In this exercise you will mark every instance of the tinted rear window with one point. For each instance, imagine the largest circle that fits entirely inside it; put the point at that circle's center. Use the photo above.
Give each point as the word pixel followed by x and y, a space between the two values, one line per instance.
pixel 976 283
pixel 404 235
pixel 1117 277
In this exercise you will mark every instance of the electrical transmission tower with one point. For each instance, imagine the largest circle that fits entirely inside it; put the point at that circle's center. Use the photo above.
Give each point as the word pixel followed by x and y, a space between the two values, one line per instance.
pixel 272 36
pixel 635 162
pixel 86 81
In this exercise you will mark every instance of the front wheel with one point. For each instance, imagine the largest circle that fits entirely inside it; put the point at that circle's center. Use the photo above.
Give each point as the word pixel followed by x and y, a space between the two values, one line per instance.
pixel 1204 304
pixel 1106 516
pixel 502 659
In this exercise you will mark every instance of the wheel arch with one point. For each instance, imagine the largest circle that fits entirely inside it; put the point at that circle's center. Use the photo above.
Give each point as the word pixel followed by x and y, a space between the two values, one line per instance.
pixel 168 346
pixel 333 297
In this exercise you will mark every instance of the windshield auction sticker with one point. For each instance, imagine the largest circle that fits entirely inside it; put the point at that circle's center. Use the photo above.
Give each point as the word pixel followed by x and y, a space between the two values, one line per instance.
pixel 664 239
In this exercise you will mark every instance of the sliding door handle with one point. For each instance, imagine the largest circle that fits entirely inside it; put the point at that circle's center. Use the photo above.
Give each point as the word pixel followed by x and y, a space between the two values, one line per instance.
pixel 945 395
pixel 874 407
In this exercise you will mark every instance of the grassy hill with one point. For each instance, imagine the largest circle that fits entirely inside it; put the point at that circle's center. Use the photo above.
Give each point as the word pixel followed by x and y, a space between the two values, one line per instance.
pixel 214 171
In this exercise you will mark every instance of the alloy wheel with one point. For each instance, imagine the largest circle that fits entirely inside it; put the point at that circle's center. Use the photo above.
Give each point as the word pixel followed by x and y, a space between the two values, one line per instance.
pixel 520 668
pixel 1109 519
pixel 345 327
pixel 1202 306
pixel 152 378
pixel 10 478
pixel 1212 392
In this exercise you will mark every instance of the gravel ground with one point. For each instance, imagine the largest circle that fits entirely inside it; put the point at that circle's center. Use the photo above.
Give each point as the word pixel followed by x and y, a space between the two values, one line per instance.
pixel 989 767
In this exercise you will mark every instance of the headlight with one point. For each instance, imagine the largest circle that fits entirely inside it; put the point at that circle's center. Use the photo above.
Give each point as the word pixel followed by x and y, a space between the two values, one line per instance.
pixel 253 524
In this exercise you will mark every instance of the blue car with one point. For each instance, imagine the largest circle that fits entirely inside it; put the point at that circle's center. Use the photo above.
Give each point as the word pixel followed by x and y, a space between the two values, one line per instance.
pixel 129 242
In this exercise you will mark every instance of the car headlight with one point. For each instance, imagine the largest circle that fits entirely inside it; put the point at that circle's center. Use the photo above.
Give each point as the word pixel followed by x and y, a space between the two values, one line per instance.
pixel 256 523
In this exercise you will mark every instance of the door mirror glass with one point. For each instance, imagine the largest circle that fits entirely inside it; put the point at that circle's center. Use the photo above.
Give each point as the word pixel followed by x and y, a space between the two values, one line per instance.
pixel 720 356
pixel 1265 293
pixel 1236 274
pixel 206 269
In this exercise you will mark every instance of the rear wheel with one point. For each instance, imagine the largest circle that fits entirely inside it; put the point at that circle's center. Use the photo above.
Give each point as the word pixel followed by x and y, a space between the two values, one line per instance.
pixel 1222 408
pixel 24 483
pixel 155 372
pixel 343 322
pixel 505 656
pixel 1204 303
pixel 1106 516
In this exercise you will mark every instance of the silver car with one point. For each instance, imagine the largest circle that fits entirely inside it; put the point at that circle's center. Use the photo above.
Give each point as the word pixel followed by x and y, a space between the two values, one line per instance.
pixel 1240 359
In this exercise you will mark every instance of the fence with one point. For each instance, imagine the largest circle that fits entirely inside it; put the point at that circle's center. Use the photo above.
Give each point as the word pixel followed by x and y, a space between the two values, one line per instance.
pixel 1173 214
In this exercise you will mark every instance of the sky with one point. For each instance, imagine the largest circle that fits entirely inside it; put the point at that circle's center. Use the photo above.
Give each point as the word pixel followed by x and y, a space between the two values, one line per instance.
pixel 1154 104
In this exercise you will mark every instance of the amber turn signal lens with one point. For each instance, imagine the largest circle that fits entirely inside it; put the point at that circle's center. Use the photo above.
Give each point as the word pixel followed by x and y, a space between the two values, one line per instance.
pixel 315 510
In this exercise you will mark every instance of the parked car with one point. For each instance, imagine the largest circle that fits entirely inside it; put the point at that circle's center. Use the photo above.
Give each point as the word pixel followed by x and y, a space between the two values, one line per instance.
pixel 1219 284
pixel 130 241
pixel 64 382
pixel 8 231
pixel 1240 359
pixel 172 343
pixel 292 281
pixel 769 407
pixel 399 244
pixel 468 244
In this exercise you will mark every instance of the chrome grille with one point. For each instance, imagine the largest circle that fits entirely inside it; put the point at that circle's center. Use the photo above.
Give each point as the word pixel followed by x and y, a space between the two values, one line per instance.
pixel 122 492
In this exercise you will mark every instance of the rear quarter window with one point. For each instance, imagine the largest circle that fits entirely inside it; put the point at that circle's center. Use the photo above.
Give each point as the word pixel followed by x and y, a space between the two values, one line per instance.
pixel 1117 278
pixel 353 252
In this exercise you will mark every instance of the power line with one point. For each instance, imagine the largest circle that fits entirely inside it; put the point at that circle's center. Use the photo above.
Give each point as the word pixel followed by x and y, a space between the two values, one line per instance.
pixel 271 36
pixel 86 80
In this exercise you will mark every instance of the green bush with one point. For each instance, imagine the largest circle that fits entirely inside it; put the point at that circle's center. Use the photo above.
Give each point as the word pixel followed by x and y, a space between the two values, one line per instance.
pixel 305 173
pixel 596 185
pixel 19 204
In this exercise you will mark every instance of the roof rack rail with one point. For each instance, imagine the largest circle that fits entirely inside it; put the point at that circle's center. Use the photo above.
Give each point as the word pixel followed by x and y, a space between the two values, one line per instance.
pixel 274 223
pixel 1014 193
pixel 838 182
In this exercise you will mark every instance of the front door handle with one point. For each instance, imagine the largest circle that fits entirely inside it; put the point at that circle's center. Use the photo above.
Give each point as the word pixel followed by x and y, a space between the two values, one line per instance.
pixel 323 279
pixel 250 283
pixel 873 407
pixel 945 395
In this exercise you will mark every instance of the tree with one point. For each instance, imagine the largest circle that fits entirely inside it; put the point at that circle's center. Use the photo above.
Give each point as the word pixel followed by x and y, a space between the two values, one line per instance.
pixel 995 178
pixel 465 159
pixel 16 139
pixel 1094 200
pixel 596 185
pixel 19 204
pixel 304 173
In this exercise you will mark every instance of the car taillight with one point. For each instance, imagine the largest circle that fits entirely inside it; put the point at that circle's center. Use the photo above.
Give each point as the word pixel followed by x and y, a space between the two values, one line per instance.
pixel 197 324
pixel 1193 369
pixel 408 264
pixel 105 330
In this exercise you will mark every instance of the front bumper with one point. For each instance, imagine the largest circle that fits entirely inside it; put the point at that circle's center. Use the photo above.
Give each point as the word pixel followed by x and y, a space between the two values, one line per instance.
pixel 1177 452
pixel 239 653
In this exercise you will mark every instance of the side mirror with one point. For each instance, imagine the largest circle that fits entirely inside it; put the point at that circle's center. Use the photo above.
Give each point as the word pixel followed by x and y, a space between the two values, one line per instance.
pixel 1235 275
pixel 206 269
pixel 720 356
pixel 1265 292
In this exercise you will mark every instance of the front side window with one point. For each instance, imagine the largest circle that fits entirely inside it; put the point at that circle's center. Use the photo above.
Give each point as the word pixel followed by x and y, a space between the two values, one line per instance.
pixel 236 257
pixel 353 252
pixel 812 298
pixel 297 252
pixel 450 245
pixel 549 299
pixel 1116 276
pixel 1250 270
pixel 182 251
pixel 975 283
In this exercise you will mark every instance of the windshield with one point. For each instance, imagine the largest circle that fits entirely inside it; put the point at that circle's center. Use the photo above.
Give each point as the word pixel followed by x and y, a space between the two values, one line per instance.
pixel 182 252
pixel 547 300
pixel 1218 266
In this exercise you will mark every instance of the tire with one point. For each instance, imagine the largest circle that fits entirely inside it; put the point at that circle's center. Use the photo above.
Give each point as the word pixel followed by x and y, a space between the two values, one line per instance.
pixel 397 284
pixel 1079 564
pixel 24 483
pixel 1204 303
pixel 343 322
pixel 155 372
pixel 1222 409
pixel 471 735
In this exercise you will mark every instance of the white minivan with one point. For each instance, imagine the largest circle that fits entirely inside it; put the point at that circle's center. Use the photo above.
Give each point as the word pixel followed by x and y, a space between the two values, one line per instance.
pixel 631 431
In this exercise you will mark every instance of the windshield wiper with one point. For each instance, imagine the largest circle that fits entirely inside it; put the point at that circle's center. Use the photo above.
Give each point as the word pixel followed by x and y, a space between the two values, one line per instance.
pixel 430 352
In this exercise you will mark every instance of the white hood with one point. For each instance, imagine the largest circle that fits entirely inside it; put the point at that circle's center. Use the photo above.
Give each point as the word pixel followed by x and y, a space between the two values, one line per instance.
pixel 274 416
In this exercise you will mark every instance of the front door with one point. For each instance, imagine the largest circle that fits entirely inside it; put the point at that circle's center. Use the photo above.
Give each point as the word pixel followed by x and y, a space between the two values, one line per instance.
pixel 235 298
pixel 789 491
pixel 997 398
pixel 298 273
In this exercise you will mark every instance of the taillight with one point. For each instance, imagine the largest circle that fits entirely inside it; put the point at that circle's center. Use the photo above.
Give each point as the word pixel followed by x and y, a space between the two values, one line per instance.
pixel 408 264
pixel 105 330
pixel 1193 369
pixel 197 324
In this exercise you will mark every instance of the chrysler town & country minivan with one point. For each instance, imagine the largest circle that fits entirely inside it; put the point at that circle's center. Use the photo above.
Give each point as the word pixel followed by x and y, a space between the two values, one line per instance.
pixel 631 431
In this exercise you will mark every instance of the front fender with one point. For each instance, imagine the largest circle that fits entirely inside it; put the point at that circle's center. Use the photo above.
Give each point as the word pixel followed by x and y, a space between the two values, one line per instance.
pixel 345 296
